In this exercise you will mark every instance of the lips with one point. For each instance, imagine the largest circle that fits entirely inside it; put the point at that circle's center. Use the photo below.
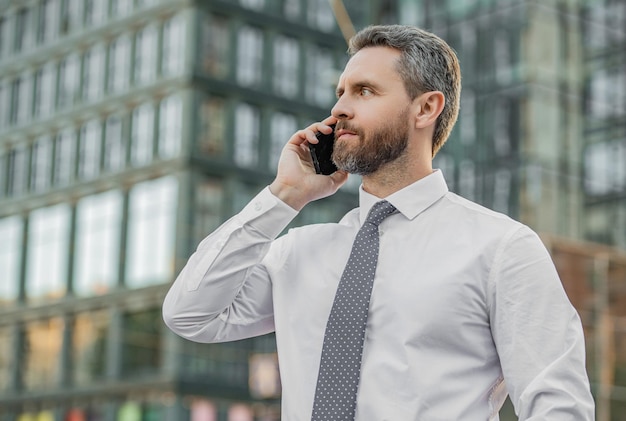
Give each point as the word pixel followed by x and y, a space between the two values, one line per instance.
pixel 343 132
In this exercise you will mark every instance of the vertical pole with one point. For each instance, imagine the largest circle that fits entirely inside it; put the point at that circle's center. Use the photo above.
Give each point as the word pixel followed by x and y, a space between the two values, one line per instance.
pixel 343 19
pixel 603 334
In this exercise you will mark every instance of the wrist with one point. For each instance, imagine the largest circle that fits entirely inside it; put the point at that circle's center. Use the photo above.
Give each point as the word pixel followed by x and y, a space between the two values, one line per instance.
pixel 290 195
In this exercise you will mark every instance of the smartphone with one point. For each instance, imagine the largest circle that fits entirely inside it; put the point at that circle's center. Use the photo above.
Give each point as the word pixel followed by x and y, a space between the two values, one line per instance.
pixel 322 152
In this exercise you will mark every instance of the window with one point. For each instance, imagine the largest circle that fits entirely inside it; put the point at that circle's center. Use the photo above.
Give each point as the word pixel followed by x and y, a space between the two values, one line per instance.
pixel 120 8
pixel 89 150
pixel 44 91
pixel 69 82
pixel 48 21
pixel 93 73
pixel 114 145
pixel 89 347
pixel 3 36
pixel 320 83
pixel 119 64
pixel 41 164
pixel 283 126
pixel 605 168
pixel 173 52
pixel 10 254
pixel 247 121
pixel 17 167
pixel 5 98
pixel 151 229
pixel 23 35
pixel 15 99
pixel 24 107
pixel 6 357
pixel 95 12
pixel 98 227
pixel 145 55
pixel 216 47
pixel 249 56
pixel 320 15
pixel 467 180
pixel 72 17
pixel 286 66
pixel 253 4
pixel 170 127
pixel 64 157
pixel 47 254
pixel 141 343
pixel 467 121
pixel 41 354
pixel 142 135
pixel 208 204
pixel 213 126
pixel 292 9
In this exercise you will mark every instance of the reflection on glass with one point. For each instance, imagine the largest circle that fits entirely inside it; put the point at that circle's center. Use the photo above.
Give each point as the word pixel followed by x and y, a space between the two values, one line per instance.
pixel 247 126
pixel 141 343
pixel 170 126
pixel 286 66
pixel 98 223
pixel 89 150
pixel 283 126
pixel 216 47
pixel 119 64
pixel 69 81
pixel 64 157
pixel 93 73
pixel 319 78
pixel 114 145
pixel 10 253
pixel 40 356
pixel 16 171
pixel 89 341
pixel 212 136
pixel 6 356
pixel 48 244
pixel 145 55
pixel 151 228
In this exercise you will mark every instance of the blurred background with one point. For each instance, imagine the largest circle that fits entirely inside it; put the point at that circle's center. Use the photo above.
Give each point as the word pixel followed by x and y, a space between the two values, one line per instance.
pixel 129 129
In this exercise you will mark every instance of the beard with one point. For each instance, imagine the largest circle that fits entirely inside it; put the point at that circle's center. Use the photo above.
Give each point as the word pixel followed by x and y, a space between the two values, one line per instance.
pixel 379 147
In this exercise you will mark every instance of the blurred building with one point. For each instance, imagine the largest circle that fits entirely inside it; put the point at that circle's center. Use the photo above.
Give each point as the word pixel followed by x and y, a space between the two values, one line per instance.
pixel 129 129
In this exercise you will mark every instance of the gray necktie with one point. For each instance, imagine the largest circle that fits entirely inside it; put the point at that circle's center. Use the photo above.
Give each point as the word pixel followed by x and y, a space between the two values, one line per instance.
pixel 340 365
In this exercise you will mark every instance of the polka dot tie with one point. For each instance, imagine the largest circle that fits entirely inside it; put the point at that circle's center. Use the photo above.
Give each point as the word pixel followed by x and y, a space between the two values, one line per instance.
pixel 340 365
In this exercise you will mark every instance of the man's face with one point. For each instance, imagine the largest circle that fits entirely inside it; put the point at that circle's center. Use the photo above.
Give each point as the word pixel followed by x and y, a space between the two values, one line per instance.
pixel 373 112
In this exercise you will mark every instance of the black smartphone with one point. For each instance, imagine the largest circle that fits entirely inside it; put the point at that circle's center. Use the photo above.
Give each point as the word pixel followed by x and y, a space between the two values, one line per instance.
pixel 322 152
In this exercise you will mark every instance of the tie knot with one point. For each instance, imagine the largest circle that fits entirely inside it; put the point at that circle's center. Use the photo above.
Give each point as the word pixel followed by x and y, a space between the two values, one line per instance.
pixel 380 211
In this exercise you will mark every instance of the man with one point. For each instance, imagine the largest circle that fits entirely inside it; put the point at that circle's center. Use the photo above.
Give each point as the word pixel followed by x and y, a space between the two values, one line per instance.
pixel 465 303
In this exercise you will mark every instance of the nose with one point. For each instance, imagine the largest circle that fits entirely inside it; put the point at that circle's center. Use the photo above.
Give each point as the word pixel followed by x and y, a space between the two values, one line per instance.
pixel 342 109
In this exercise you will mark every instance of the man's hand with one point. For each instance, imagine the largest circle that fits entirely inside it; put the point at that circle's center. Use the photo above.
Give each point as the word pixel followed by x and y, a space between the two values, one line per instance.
pixel 296 182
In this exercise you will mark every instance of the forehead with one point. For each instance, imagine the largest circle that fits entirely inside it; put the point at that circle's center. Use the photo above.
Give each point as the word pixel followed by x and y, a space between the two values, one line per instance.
pixel 372 63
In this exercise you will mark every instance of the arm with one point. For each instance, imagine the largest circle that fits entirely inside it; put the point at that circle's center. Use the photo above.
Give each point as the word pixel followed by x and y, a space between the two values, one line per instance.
pixel 538 334
pixel 224 292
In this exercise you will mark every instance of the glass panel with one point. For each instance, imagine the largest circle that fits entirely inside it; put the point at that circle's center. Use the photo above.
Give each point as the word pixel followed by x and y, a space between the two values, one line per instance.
pixel 24 110
pixel 203 410
pixel 173 54
pixel 95 12
pixel 151 229
pixel 141 342
pixel 17 167
pixel 41 354
pixel 283 126
pixel 320 87
pixel 69 81
pixel 247 122
pixel 249 56
pixel 48 247
pixel 48 20
pixel 119 64
pixel 44 91
pixel 121 8
pixel 6 357
pixel 14 100
pixel 286 66
pixel 213 126
pixel 130 411
pixel 93 73
pixel 64 157
pixel 145 55
pixel 253 4
pixel 5 98
pixel 216 47
pixel 142 135
pixel 208 207
pixel 24 29
pixel 89 150
pixel 114 145
pixel 98 227
pixel 72 18
pixel 89 346
pixel 320 15
pixel 292 9
pixel 170 126
pixel 10 254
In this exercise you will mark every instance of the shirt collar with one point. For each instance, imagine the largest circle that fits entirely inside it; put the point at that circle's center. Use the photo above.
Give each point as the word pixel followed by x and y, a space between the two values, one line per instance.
pixel 411 200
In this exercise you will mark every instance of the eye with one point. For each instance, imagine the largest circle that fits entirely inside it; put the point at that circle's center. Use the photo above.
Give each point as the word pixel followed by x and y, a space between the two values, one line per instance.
pixel 366 92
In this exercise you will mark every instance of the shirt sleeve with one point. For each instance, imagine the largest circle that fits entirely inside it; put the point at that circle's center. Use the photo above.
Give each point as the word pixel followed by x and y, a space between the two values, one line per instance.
pixel 538 333
pixel 224 293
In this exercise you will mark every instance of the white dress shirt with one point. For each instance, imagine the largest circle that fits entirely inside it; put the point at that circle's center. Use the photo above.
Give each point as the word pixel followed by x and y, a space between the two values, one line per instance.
pixel 466 306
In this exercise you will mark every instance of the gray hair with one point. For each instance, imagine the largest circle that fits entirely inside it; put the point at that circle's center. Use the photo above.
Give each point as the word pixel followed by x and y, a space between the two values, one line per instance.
pixel 426 64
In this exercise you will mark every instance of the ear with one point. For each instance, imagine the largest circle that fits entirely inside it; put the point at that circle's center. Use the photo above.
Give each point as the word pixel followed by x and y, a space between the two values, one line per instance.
pixel 428 107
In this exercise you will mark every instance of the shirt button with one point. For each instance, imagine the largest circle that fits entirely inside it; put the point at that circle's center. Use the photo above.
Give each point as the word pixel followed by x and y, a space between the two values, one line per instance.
pixel 258 206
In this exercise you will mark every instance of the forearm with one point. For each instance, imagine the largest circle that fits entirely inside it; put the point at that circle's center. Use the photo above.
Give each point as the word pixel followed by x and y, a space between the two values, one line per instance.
pixel 224 284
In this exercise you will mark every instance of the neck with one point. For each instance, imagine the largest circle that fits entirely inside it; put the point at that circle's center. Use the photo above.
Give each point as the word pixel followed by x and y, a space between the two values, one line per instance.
pixel 396 175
